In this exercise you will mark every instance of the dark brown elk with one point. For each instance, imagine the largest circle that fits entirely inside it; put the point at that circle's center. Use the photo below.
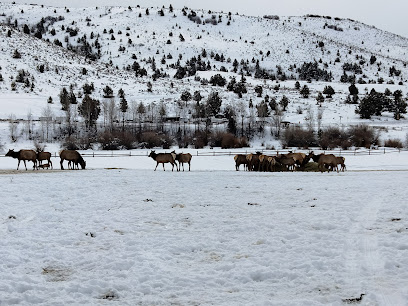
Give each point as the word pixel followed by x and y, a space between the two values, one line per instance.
pixel 162 158
pixel 183 158
pixel 71 156
pixel 241 159
pixel 288 162
pixel 24 155
pixel 44 156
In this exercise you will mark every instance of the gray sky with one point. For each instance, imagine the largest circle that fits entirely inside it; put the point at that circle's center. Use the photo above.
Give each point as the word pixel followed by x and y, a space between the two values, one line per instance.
pixel 388 15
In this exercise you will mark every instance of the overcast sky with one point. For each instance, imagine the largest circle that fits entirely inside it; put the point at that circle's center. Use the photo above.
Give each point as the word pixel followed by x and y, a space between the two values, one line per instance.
pixel 390 15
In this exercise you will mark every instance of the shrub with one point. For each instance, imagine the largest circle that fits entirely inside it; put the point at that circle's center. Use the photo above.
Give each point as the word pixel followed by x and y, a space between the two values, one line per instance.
pixel 150 140
pixel 333 137
pixel 298 137
pixel 393 143
pixel 362 136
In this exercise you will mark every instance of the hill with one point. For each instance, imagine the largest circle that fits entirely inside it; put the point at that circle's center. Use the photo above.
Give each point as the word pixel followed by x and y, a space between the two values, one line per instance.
pixel 156 54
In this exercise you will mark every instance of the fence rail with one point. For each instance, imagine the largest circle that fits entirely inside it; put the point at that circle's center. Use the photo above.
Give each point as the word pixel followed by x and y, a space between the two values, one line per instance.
pixel 144 153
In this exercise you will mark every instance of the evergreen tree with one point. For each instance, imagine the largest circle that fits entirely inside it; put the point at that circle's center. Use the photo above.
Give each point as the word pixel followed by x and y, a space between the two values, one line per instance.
pixel 297 85
pixel 185 96
pixel 123 105
pixel 305 92
pixel 64 99
pixel 398 105
pixel 107 92
pixel 89 109
pixel 214 102
pixel 320 98
pixel 258 90
pixel 284 102
pixel 328 91
pixel 353 89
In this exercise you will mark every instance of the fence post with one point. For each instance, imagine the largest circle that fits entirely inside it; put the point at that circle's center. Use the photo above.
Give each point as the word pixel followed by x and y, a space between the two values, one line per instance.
pixel 369 151
pixel 93 153
pixel 384 150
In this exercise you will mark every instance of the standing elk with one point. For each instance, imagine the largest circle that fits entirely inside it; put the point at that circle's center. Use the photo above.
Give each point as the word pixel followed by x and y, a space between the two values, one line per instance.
pixel 340 160
pixel 253 161
pixel 162 158
pixel 241 159
pixel 24 155
pixel 73 157
pixel 183 158
pixel 44 156
pixel 288 162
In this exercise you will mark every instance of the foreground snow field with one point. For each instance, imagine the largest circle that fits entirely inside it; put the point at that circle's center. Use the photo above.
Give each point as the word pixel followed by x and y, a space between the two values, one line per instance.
pixel 205 237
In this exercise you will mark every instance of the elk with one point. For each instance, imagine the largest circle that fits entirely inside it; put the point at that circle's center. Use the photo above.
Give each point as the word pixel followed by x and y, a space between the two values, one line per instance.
pixel 44 156
pixel 241 159
pixel 183 158
pixel 71 156
pixel 271 163
pixel 288 162
pixel 162 158
pixel 340 161
pixel 253 161
pixel 24 155
pixel 298 157
pixel 327 161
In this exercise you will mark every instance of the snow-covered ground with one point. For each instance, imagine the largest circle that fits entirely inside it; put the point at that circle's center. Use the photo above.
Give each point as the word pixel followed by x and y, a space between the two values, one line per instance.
pixel 212 236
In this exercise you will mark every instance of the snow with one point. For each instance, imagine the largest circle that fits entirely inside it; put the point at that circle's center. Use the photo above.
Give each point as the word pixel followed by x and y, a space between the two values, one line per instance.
pixel 212 236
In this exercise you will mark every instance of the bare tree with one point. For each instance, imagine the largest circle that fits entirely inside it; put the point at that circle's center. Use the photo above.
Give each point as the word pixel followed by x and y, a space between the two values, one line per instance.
pixel 310 118
pixel 46 121
pixel 13 127
pixel 277 119
pixel 29 125
pixel 242 113
pixel 319 119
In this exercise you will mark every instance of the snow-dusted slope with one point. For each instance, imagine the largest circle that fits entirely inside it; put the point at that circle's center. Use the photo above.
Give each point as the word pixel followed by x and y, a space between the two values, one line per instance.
pixel 120 36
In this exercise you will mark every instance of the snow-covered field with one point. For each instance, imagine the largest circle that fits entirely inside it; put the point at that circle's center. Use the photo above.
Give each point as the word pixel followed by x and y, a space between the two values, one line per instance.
pixel 212 236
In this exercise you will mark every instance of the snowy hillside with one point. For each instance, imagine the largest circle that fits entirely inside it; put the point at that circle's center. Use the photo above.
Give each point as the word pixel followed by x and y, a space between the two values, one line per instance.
pixel 177 50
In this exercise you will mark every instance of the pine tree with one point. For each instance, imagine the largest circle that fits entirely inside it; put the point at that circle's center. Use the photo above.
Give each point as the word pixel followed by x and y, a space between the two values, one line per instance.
pixel 284 102
pixel 258 90
pixel 320 98
pixel 305 92
pixel 328 91
pixel 214 102
pixel 89 109
pixel 64 99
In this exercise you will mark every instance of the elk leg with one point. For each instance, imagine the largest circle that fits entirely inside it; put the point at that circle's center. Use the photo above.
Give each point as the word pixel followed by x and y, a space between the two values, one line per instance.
pixel 164 168
pixel 156 166
pixel 50 162
pixel 62 167
pixel 188 166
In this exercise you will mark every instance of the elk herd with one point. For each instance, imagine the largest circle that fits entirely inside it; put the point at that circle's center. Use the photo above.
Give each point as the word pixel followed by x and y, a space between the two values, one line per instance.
pixel 251 162
pixel 289 162
pixel 73 157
